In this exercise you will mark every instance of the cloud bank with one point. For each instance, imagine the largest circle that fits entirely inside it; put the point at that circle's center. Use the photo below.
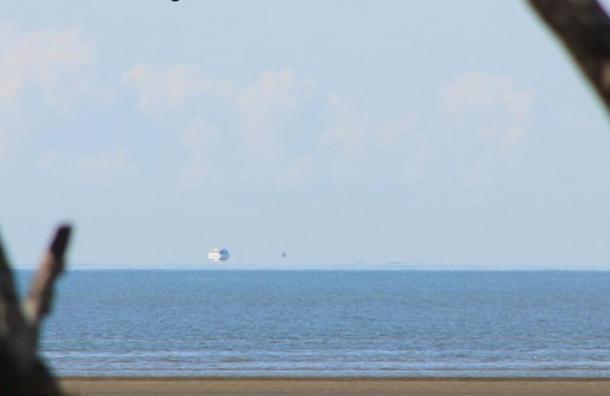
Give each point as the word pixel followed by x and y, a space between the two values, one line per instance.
pixel 281 127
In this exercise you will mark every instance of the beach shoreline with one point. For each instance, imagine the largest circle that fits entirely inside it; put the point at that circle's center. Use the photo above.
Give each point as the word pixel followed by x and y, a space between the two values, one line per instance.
pixel 259 386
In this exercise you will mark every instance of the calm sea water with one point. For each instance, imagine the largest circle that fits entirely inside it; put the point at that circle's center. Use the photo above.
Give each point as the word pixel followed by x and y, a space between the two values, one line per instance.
pixel 330 323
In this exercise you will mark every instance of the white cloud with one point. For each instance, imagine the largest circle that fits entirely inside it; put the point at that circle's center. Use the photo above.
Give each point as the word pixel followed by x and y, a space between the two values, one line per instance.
pixel 258 117
pixel 161 90
pixel 418 160
pixel 265 107
pixel 198 140
pixel 50 72
pixel 296 172
pixel 366 139
pixel 393 131
pixel 493 106
pixel 347 127
pixel 263 121
pixel 483 119
pixel 57 63
pixel 103 165
pixel 485 129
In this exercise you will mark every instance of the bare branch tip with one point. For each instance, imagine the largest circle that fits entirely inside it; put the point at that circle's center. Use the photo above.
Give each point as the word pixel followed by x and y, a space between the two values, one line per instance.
pixel 61 240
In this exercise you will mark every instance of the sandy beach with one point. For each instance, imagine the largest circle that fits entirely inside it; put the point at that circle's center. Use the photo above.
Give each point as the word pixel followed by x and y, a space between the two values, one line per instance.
pixel 116 386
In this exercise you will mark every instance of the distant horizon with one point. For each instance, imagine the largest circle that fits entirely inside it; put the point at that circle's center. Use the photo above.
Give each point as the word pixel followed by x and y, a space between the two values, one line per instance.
pixel 328 267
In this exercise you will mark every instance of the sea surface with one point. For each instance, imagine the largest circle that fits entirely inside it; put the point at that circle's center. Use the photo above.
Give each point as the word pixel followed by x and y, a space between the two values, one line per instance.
pixel 330 323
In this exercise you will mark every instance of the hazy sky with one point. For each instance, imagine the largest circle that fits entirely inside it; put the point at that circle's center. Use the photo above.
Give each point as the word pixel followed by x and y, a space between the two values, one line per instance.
pixel 341 132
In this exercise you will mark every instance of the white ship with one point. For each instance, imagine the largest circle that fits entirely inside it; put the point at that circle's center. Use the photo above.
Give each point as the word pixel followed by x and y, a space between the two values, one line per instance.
pixel 218 254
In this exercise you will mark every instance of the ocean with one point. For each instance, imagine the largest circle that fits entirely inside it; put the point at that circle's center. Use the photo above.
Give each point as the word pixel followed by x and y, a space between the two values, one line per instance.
pixel 330 323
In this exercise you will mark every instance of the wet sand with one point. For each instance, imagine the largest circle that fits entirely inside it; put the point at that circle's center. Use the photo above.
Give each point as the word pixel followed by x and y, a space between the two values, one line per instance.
pixel 115 386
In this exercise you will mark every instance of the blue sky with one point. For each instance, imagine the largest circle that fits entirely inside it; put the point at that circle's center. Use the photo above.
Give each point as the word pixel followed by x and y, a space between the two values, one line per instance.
pixel 344 133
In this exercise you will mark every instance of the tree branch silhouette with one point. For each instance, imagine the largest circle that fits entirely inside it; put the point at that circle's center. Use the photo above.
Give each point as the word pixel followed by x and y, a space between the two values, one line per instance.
pixel 583 27
pixel 22 373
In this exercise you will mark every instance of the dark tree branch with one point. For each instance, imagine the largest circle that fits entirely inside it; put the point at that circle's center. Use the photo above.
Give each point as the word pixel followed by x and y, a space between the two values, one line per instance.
pixel 12 325
pixel 10 313
pixel 22 373
pixel 40 296
pixel 584 28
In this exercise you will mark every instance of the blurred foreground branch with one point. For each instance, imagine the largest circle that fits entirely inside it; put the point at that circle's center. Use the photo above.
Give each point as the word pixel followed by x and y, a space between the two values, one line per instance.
pixel 584 28
pixel 22 373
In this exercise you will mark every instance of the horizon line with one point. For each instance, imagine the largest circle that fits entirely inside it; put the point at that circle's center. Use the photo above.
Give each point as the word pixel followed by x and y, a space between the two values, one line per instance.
pixel 209 267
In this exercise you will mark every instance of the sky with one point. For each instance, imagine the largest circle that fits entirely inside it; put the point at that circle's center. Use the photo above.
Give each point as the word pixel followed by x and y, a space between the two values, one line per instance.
pixel 347 134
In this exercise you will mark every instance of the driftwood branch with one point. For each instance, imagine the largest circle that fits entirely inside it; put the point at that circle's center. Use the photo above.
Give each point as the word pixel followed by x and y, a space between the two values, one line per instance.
pixel 22 373
pixel 584 28
pixel 40 296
